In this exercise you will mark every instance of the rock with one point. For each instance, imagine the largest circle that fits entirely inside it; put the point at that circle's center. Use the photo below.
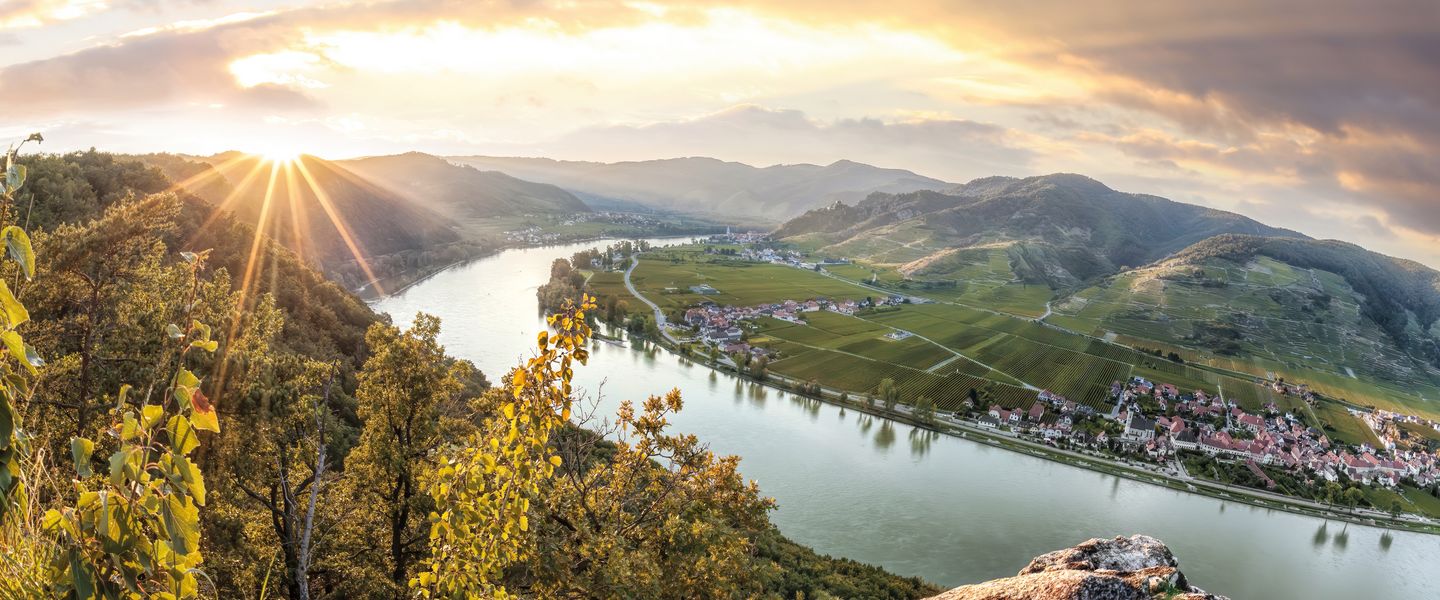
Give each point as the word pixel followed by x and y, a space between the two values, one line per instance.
pixel 1135 568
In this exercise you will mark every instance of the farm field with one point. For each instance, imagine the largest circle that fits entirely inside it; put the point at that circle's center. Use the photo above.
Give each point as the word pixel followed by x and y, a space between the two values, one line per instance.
pixel 1341 425
pixel 737 283
pixel 1004 348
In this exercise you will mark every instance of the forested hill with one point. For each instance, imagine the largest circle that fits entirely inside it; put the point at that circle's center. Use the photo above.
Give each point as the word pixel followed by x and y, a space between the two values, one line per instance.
pixel 325 213
pixel 1075 228
pixel 460 191
pixel 701 185
pixel 188 407
pixel 1401 296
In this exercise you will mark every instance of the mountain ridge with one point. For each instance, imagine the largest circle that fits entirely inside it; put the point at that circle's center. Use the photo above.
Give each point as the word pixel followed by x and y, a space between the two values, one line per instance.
pixel 710 185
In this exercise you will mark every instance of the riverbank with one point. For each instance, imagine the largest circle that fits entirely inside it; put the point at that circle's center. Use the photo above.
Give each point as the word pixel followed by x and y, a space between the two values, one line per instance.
pixel 915 502
pixel 1082 460
pixel 368 294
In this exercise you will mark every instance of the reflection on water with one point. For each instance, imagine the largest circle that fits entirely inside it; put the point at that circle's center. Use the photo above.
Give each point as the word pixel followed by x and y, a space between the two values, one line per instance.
pixel 885 437
pixel 950 510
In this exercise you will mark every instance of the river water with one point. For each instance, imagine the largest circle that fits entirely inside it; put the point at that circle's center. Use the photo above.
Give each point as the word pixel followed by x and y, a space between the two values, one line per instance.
pixel 943 508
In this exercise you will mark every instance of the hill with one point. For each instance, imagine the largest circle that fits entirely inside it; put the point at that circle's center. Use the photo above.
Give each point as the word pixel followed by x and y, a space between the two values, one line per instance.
pixel 1349 322
pixel 1218 289
pixel 460 191
pixel 699 185
pixel 325 213
pixel 1056 229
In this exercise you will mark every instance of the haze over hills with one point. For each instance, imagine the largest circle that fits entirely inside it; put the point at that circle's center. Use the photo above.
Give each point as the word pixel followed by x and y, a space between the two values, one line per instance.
pixel 460 191
pixel 320 210
pixel 707 185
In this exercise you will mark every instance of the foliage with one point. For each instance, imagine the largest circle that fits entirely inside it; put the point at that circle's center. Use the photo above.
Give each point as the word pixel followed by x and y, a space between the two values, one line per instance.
pixel 483 492
pixel 407 388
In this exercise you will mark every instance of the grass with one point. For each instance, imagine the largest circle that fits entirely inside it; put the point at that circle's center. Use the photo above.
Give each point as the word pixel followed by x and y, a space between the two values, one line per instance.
pixel 1021 349
pixel 739 283
pixel 1340 425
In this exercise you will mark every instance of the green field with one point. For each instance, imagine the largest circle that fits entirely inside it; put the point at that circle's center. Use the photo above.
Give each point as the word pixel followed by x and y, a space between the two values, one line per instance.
pixel 854 353
pixel 1342 426
pixel 739 283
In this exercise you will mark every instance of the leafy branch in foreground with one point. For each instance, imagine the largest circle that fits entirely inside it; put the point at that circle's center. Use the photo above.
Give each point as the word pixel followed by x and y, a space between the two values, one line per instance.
pixel 135 530
pixel 483 492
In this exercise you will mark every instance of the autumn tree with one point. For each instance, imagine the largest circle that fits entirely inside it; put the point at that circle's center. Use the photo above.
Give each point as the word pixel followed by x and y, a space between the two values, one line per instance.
pixel 406 388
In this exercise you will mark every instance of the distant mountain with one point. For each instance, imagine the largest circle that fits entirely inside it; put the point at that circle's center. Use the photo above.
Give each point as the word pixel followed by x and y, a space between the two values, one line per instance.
pixel 1060 229
pixel 316 207
pixel 460 191
pixel 709 186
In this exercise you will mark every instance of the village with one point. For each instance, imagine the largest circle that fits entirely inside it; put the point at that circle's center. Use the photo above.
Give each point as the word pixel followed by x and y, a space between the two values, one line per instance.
pixel 1157 421
pixel 1146 420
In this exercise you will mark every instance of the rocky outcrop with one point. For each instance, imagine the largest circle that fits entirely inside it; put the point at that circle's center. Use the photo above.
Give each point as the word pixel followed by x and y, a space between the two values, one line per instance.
pixel 1135 568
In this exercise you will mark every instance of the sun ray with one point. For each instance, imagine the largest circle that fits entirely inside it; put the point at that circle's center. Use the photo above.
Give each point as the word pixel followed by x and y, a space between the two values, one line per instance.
pixel 198 178
pixel 339 222
pixel 243 303
pixel 234 195
pixel 298 220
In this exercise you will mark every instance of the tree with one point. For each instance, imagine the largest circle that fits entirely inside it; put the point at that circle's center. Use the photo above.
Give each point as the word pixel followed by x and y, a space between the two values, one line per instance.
pixel 888 393
pixel 533 507
pixel 758 367
pixel 405 388
pixel 925 410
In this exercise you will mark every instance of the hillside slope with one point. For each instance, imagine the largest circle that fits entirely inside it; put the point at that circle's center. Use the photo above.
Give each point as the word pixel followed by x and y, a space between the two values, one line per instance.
pixel 1064 228
pixel 322 211
pixel 1352 323
pixel 460 191
pixel 698 185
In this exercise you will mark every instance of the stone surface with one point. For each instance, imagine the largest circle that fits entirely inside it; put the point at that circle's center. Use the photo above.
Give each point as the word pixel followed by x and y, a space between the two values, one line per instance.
pixel 1135 568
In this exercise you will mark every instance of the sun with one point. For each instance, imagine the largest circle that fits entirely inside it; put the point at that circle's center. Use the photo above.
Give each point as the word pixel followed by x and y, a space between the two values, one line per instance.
pixel 279 154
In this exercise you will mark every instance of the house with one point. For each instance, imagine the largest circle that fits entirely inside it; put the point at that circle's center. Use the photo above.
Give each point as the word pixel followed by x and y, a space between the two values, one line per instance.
pixel 1139 429
pixel 1037 410
pixel 1186 440
pixel 989 421
pixel 1252 422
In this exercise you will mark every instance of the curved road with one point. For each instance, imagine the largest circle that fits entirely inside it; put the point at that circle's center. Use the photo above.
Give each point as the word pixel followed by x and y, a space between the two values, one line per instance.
pixel 659 315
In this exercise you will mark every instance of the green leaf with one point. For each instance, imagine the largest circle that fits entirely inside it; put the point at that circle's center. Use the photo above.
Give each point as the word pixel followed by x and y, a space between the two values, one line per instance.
pixel 150 414
pixel 174 332
pixel 16 345
pixel 191 475
pixel 7 422
pixel 15 312
pixel 189 256
pixel 183 438
pixel 80 450
pixel 182 522
pixel 32 357
pixel 124 393
pixel 18 244
pixel 15 177
pixel 118 461
pixel 82 579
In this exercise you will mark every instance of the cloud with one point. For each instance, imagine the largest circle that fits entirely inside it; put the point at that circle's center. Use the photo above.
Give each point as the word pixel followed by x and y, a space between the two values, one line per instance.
pixel 952 149
pixel 35 13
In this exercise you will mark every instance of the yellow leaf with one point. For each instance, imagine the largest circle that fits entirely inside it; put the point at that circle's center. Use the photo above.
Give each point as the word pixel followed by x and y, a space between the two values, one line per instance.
pixel 555 460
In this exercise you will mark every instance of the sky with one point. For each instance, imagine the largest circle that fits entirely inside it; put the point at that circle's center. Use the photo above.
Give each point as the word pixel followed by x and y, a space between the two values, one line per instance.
pixel 1317 115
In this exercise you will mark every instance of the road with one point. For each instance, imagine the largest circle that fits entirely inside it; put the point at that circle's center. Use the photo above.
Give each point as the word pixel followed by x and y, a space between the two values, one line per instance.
pixel 659 314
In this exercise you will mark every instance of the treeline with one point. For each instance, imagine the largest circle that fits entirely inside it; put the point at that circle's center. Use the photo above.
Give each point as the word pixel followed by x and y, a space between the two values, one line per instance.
pixel 190 411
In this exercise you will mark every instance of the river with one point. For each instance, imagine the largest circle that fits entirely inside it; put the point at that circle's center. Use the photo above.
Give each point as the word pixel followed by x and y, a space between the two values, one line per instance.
pixel 943 508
